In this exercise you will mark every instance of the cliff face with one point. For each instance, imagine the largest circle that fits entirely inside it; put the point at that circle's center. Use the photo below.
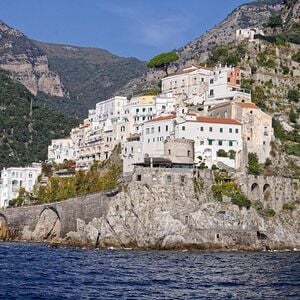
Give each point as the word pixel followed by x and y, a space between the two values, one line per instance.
pixel 161 218
pixel 27 63
pixel 73 79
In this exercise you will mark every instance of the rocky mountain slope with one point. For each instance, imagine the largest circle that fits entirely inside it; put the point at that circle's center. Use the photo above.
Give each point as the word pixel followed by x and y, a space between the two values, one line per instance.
pixel 27 63
pixel 71 78
pixel 253 14
pixel 26 125
pixel 89 75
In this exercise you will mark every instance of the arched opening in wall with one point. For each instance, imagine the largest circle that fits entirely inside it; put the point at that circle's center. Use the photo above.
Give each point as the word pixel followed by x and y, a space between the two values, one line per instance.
pixel 3 227
pixel 267 192
pixel 255 191
pixel 48 225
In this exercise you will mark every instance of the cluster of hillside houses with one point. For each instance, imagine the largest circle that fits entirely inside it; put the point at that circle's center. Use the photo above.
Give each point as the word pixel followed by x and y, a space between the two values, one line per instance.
pixel 203 106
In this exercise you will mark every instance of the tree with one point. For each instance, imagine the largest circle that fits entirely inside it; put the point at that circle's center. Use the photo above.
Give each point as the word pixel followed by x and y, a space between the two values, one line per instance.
pixel 163 60
pixel 253 164
pixel 275 21
pixel 293 116
pixel 293 95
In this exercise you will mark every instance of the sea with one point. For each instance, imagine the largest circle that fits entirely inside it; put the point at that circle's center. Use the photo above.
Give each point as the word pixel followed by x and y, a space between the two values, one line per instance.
pixel 38 271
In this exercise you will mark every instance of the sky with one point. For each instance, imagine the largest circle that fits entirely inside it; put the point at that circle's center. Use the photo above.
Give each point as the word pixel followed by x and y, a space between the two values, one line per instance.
pixel 138 28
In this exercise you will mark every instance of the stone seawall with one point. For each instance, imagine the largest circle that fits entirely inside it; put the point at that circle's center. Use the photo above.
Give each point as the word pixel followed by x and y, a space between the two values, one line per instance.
pixel 65 212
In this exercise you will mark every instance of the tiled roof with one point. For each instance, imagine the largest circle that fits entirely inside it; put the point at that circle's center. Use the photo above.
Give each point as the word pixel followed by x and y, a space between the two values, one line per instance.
pixel 162 118
pixel 246 104
pixel 217 120
pixel 220 105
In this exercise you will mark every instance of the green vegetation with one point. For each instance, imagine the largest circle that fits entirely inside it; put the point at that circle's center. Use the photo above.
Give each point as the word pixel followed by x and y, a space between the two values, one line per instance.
pixel 266 62
pixel 296 57
pixel 240 200
pixel 22 197
pixel 267 212
pixel 163 60
pixel 226 55
pixel 290 206
pixel 258 96
pixel 293 95
pixel 274 21
pixel 221 153
pixel 26 126
pixel 153 92
pixel 254 167
pixel 293 116
pixel 82 183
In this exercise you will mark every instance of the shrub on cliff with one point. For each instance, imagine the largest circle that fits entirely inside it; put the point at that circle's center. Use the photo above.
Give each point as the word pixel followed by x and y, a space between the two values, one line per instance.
pixel 240 200
pixel 253 164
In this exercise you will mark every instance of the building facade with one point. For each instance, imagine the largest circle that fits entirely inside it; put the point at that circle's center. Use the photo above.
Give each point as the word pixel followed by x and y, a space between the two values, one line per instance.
pixel 13 178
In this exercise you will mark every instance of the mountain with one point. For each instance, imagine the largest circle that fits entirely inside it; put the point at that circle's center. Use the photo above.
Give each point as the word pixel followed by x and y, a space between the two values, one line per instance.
pixel 26 125
pixel 89 75
pixel 253 14
pixel 73 79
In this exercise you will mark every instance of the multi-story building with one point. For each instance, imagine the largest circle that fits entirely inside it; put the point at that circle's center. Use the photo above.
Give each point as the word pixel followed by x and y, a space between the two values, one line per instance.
pixel 217 140
pixel 191 83
pixel 61 150
pixel 13 178
pixel 257 131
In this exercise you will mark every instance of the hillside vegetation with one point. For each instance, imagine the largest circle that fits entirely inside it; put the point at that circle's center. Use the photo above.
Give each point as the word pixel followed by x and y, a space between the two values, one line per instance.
pixel 26 126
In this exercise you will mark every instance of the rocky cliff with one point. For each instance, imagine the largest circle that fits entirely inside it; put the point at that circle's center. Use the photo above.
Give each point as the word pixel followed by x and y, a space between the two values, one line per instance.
pixel 73 79
pixel 160 218
pixel 27 63
pixel 153 214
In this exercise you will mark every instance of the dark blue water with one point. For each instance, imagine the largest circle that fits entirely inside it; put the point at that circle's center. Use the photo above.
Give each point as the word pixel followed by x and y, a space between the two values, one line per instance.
pixel 31 271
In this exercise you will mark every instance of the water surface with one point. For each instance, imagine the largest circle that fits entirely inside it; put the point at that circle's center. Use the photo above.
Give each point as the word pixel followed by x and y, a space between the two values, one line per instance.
pixel 36 271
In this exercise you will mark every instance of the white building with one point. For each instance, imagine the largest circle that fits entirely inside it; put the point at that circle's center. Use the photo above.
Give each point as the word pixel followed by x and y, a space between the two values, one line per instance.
pixel 155 132
pixel 257 131
pixel 15 177
pixel 212 135
pixel 189 83
pixel 247 33
pixel 61 150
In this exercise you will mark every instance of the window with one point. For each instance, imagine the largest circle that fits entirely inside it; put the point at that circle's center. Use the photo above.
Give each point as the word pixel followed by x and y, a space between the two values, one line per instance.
pixel 210 142
pixel 202 79
pixel 147 130
pixel 201 142
pixel 188 153
pixel 153 139
pixel 182 179
pixel 131 149
pixel 183 128
pixel 228 79
pixel 158 128
pixel 220 143
pixel 211 92
pixel 210 129
pixel 150 108
pixel 144 109
pixel 138 177
pixel 169 151
pixel 230 143
pixel 152 129
pixel 236 130
pixel 251 112
pixel 169 178
pixel 221 129
pixel 230 130
pixel 137 110
pixel 237 81
pixel 30 175
pixel 211 81
pixel 148 141
pixel 248 138
pixel 125 150
pixel 167 128
pixel 201 128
